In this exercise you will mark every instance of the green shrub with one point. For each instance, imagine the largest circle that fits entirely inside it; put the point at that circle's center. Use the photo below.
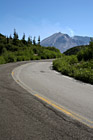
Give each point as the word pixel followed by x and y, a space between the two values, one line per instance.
pixel 72 59
pixel 13 49
pixel 35 57
pixel 2 60
pixel 19 58
pixel 70 66
pixel 53 49
pixel 85 75
pixel 1 48
pixel 85 54
pixel 9 57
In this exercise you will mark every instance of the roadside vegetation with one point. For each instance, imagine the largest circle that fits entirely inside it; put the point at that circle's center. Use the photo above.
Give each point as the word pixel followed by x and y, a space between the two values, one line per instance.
pixel 12 49
pixel 79 65
pixel 76 62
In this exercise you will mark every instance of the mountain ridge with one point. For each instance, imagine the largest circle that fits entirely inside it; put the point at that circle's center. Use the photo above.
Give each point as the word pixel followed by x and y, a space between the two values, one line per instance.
pixel 64 42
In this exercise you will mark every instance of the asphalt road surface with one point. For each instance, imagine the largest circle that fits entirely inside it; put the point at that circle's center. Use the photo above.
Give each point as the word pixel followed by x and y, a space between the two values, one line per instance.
pixel 27 117
pixel 75 97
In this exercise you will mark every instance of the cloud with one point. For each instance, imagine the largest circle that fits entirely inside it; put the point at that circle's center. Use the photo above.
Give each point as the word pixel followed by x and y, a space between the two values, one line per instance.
pixel 71 32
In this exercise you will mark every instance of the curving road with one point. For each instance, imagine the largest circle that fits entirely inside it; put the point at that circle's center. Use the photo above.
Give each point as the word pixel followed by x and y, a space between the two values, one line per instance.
pixel 25 117
pixel 75 98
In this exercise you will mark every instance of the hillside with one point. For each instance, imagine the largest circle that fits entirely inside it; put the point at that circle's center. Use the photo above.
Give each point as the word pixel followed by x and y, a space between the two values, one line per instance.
pixel 79 66
pixel 13 49
pixel 63 41
pixel 75 50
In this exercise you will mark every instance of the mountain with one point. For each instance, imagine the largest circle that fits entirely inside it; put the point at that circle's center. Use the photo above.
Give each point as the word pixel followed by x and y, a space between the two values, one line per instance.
pixel 64 42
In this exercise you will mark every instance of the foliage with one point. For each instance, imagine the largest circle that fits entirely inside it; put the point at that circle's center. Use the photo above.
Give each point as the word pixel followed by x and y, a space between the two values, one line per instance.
pixel 86 54
pixel 2 60
pixel 29 40
pixel 53 49
pixel 13 49
pixel 34 41
pixel 75 50
pixel 79 66
pixel 38 40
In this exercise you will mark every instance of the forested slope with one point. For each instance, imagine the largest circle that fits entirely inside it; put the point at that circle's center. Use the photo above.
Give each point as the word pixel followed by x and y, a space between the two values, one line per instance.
pixel 12 49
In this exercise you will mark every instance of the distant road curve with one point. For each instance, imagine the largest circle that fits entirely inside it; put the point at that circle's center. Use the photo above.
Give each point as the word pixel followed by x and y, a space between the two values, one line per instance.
pixel 26 117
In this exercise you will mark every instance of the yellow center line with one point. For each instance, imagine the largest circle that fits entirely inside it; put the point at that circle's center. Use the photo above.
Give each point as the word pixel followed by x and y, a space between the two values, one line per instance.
pixel 12 73
pixel 72 114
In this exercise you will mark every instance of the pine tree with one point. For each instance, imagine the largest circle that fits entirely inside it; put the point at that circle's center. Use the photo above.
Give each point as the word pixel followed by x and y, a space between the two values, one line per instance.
pixel 34 41
pixel 38 40
pixel 15 38
pixel 23 39
pixel 29 40
pixel 91 41
pixel 10 37
pixel 7 40
pixel 15 35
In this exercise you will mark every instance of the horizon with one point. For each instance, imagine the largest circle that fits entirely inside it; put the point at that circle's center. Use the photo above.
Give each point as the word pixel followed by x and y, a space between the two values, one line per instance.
pixel 45 18
pixel 47 36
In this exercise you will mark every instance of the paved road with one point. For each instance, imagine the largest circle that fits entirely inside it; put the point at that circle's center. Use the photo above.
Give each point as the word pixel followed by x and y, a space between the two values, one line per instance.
pixel 41 80
pixel 25 117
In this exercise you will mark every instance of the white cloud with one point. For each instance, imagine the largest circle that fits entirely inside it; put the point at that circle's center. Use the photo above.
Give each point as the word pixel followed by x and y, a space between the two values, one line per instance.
pixel 71 32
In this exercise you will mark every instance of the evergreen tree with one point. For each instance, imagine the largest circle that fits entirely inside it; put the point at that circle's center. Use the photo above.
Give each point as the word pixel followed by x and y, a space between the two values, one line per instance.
pixel 29 40
pixel 34 41
pixel 15 38
pixel 91 41
pixel 23 39
pixel 39 40
pixel 10 37
pixel 15 35
pixel 7 40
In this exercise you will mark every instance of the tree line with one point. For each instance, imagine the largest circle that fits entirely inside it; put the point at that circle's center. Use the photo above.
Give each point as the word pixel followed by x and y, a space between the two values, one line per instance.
pixel 13 49
pixel 15 39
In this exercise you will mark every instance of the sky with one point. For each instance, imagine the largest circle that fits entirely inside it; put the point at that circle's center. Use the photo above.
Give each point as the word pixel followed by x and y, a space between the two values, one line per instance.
pixel 46 17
